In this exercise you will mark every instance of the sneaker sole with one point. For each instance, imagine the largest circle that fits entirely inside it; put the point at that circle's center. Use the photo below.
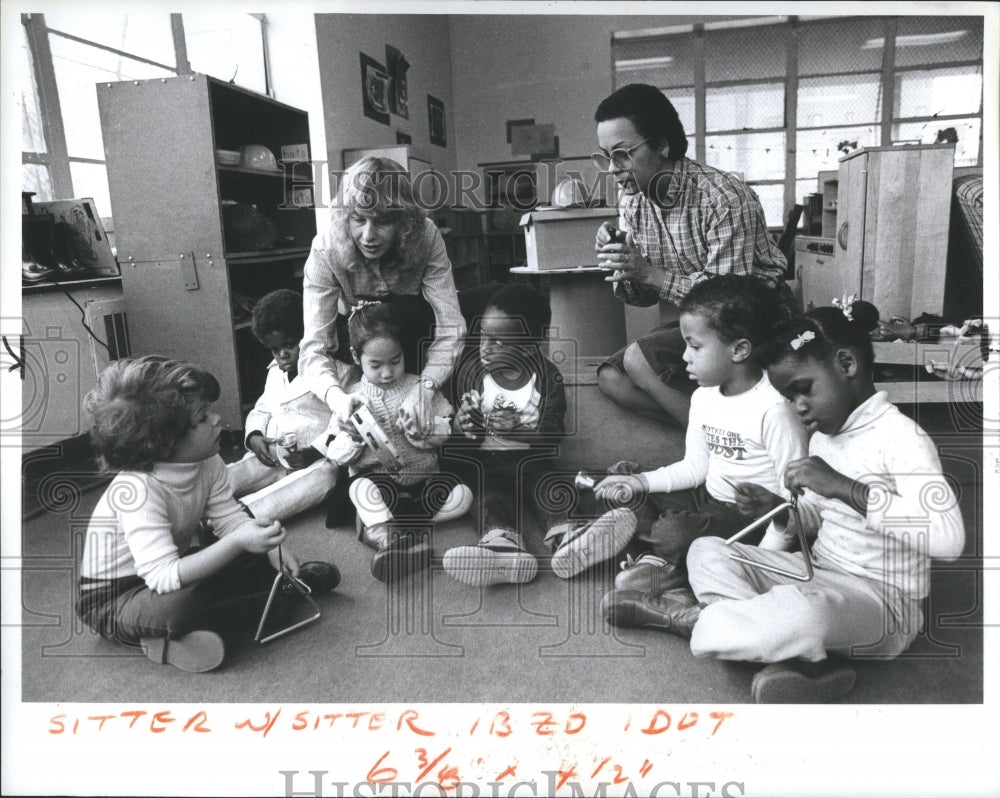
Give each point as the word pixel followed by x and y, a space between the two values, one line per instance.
pixel 196 652
pixel 478 565
pixel 791 687
pixel 603 539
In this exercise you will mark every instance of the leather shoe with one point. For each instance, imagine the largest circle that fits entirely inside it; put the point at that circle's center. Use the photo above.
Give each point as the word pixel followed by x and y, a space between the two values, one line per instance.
pixel 199 651
pixel 675 611
pixel 801 682
pixel 650 574
pixel 319 577
pixel 398 550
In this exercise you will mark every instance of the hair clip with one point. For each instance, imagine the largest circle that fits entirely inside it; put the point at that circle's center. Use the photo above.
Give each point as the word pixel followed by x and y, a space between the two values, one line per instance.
pixel 362 303
pixel 802 339
pixel 845 304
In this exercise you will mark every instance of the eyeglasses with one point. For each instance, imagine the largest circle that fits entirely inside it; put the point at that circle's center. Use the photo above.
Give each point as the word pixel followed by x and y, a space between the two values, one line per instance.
pixel 621 157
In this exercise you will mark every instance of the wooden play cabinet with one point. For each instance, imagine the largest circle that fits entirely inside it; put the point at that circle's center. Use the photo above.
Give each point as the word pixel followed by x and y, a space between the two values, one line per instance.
pixel 893 211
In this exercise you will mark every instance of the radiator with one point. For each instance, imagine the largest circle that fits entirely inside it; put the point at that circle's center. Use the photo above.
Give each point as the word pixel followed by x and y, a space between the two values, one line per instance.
pixel 108 323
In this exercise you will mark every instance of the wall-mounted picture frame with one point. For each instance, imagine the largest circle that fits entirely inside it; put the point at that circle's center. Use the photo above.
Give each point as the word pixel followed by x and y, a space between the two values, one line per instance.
pixel 532 139
pixel 436 122
pixel 374 89
pixel 396 66
pixel 513 123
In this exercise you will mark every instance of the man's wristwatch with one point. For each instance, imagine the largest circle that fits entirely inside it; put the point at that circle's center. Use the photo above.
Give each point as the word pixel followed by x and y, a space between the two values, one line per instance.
pixel 428 383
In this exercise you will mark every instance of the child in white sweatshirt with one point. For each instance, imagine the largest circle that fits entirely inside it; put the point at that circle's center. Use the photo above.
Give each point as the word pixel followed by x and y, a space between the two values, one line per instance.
pixel 872 492
pixel 740 431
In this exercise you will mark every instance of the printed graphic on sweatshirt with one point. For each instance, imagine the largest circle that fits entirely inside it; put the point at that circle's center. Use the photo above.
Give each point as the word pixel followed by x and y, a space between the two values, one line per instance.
pixel 508 409
pixel 725 442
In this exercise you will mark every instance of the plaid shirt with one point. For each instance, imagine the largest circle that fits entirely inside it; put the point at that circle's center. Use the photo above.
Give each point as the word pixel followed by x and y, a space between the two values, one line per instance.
pixel 333 282
pixel 709 223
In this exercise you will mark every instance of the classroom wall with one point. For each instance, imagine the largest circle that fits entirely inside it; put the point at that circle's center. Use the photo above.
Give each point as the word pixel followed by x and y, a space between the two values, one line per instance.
pixel 294 62
pixel 487 69
pixel 552 68
pixel 424 40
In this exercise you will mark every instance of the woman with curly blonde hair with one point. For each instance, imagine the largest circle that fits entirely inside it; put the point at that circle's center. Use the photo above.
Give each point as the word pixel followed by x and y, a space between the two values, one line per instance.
pixel 380 246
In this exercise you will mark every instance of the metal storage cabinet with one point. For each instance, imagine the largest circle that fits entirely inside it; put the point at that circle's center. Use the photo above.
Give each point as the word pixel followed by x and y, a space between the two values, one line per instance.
pixel 892 226
pixel 179 277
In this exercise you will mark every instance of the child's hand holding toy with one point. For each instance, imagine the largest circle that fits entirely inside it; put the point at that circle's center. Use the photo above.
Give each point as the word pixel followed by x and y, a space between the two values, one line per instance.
pixel 260 445
pixel 754 500
pixel 621 488
pixel 408 422
pixel 469 418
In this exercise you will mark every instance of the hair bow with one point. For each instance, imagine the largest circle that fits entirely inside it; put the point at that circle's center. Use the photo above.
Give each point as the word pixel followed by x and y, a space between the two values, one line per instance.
pixel 802 339
pixel 845 304
pixel 363 303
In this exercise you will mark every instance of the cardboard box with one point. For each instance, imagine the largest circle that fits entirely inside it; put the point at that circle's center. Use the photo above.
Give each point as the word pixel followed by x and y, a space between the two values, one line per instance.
pixel 564 238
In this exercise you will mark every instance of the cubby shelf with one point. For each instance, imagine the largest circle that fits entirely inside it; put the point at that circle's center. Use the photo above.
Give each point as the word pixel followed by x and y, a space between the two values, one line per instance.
pixel 187 288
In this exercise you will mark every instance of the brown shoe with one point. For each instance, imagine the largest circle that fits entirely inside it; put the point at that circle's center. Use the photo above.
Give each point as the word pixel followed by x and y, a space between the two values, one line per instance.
pixel 399 550
pixel 675 611
pixel 199 651
pixel 801 682
pixel 650 574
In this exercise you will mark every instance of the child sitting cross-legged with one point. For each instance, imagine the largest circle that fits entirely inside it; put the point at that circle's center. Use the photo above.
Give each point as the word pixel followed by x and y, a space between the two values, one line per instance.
pixel 277 482
pixel 871 491
pixel 144 582
pixel 741 432
pixel 396 500
pixel 508 428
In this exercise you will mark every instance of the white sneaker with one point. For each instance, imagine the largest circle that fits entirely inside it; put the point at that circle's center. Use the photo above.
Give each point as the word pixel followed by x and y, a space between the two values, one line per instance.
pixel 455 506
pixel 497 559
pixel 593 541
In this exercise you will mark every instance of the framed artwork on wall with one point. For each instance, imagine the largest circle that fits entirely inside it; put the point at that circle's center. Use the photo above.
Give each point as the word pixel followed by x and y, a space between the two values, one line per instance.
pixel 435 121
pixel 374 89
pixel 396 66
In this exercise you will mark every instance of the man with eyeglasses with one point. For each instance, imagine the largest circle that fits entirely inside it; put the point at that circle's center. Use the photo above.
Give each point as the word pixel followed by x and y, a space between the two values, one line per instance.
pixel 681 222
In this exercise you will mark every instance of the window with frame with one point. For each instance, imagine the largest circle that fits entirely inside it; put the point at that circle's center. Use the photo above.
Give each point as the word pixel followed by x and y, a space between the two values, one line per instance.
pixel 68 50
pixel 784 99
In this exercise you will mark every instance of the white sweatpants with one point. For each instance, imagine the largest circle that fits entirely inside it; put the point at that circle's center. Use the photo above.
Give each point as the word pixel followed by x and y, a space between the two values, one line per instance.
pixel 277 493
pixel 759 616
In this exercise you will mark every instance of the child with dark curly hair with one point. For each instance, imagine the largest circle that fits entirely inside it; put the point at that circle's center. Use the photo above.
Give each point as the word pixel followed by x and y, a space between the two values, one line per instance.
pixel 741 431
pixel 508 429
pixel 284 471
pixel 143 580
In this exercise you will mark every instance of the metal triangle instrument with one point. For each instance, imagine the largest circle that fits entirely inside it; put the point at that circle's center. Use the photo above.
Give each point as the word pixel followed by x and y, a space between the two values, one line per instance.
pixel 793 508
pixel 281 580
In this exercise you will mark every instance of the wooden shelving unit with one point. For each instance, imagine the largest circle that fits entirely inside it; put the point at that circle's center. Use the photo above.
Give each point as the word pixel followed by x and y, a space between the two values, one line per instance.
pixel 185 285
